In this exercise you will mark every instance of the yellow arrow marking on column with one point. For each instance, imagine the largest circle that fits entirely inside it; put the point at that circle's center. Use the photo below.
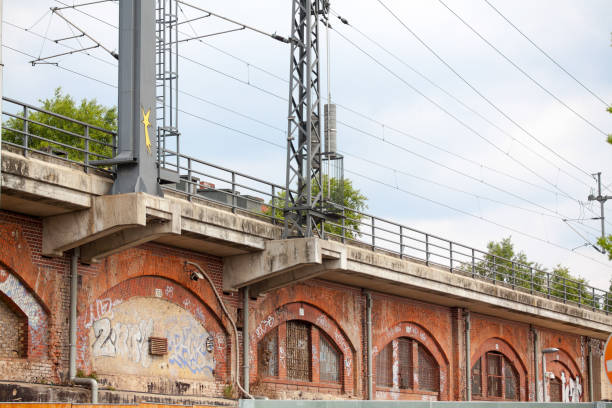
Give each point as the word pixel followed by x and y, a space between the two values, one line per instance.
pixel 146 123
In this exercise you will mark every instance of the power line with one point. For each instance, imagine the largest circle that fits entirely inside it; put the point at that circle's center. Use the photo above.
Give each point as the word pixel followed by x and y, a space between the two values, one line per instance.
pixel 248 83
pixel 532 79
pixel 456 118
pixel 479 93
pixel 546 54
pixel 531 236
pixel 456 99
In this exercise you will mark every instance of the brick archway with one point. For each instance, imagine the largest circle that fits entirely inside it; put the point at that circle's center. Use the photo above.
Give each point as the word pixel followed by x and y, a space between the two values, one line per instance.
pixel 163 289
pixel 423 336
pixel 497 344
pixel 306 312
pixel 565 370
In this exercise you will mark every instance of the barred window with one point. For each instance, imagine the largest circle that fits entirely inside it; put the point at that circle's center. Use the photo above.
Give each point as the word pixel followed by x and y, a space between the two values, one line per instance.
pixel 405 363
pixel 511 380
pixel 384 366
pixel 429 372
pixel 494 375
pixel 501 377
pixel 267 350
pixel 329 360
pixel 299 350
pixel 477 378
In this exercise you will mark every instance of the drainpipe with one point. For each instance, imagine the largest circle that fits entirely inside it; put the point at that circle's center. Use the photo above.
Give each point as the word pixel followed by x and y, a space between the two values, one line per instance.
pixel 74 280
pixel 369 338
pixel 591 390
pixel 229 317
pixel 468 364
pixel 245 338
pixel 535 362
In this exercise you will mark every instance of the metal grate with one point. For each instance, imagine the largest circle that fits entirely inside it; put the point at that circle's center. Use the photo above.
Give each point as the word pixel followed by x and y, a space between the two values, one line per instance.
pixel 555 390
pixel 511 380
pixel 494 375
pixel 267 351
pixel 477 378
pixel 405 364
pixel 384 366
pixel 429 372
pixel 158 346
pixel 329 360
pixel 298 350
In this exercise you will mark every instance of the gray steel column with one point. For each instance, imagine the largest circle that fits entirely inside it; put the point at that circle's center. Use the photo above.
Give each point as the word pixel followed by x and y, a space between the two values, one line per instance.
pixel 137 136
pixel 369 339
pixel 245 339
pixel 468 357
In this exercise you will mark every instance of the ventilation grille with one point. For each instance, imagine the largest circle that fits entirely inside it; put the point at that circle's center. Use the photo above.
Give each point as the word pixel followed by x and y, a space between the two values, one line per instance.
pixel 158 346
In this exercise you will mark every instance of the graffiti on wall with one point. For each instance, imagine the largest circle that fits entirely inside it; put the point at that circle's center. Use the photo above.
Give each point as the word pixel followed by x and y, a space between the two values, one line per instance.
pixel 119 339
pixel 571 388
pixel 23 298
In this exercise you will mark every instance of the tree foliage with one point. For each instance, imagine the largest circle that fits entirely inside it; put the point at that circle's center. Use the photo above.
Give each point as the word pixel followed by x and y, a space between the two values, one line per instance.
pixel 504 264
pixel 45 135
pixel 354 203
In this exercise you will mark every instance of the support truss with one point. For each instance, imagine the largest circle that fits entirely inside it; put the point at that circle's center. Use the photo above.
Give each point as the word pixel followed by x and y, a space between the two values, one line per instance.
pixel 303 206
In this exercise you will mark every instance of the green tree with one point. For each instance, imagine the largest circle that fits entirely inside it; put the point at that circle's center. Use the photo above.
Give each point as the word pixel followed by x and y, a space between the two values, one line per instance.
pixel 43 128
pixel 354 203
pixel 504 264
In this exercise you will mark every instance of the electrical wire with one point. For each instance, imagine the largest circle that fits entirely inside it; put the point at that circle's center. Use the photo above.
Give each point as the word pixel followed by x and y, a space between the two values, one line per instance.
pixel 521 70
pixel 459 101
pixel 456 118
pixel 545 53
pixel 512 229
pixel 479 93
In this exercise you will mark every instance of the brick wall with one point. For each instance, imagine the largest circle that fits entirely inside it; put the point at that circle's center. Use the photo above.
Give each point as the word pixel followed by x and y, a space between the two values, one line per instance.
pixel 146 291
pixel 13 330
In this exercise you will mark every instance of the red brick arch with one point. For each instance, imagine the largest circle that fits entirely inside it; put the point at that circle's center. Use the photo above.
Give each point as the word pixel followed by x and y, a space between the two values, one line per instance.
pixel 563 360
pixel 502 346
pixel 422 335
pixel 167 290
pixel 307 312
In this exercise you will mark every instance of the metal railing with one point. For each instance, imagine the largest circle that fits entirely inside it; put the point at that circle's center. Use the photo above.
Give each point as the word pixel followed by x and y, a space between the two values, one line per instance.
pixel 243 192
pixel 38 130
pixel 78 142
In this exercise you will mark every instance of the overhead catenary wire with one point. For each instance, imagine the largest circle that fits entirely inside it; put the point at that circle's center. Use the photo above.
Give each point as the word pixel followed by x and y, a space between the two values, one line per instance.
pixel 459 101
pixel 248 83
pixel 547 55
pixel 479 93
pixel 521 70
pixel 456 118
pixel 512 229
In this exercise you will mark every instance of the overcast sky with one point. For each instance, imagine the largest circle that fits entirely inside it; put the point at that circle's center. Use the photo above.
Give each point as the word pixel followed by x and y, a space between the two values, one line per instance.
pixel 575 33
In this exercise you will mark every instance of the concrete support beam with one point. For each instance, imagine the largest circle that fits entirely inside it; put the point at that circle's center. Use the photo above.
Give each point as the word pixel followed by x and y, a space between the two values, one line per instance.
pixel 112 224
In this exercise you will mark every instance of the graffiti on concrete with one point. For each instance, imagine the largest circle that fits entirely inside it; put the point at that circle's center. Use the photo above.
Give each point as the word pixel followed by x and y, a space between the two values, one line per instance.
pixel 124 340
pixel 571 388
pixel 187 341
pixel 101 307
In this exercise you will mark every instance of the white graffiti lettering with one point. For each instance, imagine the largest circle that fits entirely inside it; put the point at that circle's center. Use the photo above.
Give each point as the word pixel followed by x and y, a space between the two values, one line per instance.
pixel 127 340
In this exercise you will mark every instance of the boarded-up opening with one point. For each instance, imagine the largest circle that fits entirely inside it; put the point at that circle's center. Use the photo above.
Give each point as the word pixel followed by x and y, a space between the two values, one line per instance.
pixel 384 366
pixel 405 364
pixel 13 330
pixel 429 372
pixel 556 394
pixel 267 351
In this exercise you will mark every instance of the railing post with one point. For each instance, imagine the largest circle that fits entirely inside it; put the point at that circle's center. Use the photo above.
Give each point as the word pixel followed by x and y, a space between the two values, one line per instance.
pixel 579 294
pixel 548 285
pixel 26 131
pixel 401 242
pixel 564 291
pixel 426 249
pixel 373 234
pixel 86 149
pixel 532 277
pixel 473 264
pixel 513 276
pixel 494 269
pixel 451 255
pixel 593 298
pixel 190 187
pixel 344 225
pixel 233 192
pixel 273 202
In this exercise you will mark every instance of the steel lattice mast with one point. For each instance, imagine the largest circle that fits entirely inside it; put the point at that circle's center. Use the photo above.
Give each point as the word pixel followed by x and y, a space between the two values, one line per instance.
pixel 303 205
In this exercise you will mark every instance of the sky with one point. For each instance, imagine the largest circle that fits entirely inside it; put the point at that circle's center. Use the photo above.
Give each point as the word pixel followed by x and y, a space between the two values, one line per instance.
pixel 437 158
